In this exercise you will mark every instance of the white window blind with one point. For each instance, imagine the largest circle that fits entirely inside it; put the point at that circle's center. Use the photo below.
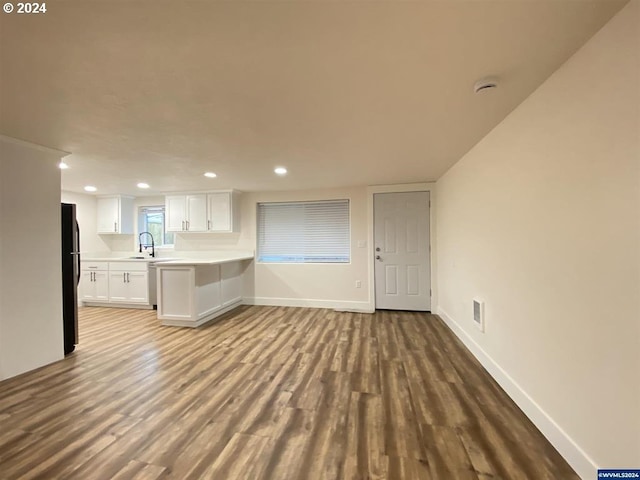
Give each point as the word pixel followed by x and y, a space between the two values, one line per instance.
pixel 304 232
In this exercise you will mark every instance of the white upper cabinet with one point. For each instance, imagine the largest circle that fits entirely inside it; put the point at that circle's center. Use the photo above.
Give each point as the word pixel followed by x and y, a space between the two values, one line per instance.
pixel 115 214
pixel 215 212
pixel 197 213
pixel 175 211
pixel 186 213
pixel 224 212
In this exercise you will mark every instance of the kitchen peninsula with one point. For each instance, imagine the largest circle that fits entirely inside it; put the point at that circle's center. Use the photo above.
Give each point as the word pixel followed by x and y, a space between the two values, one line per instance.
pixel 194 291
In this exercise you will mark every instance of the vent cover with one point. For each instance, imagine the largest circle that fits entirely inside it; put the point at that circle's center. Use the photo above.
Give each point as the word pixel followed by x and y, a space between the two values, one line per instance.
pixel 484 84
pixel 478 313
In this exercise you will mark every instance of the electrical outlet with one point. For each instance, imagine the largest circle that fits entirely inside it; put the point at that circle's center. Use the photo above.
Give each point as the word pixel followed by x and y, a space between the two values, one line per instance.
pixel 358 284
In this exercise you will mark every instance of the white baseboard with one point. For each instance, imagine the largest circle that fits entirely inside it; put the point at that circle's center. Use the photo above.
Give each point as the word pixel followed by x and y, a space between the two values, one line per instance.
pixel 584 466
pixel 143 306
pixel 176 322
pixel 342 305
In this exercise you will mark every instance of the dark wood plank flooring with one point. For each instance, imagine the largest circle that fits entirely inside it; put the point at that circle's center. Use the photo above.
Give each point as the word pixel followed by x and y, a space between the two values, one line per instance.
pixel 267 393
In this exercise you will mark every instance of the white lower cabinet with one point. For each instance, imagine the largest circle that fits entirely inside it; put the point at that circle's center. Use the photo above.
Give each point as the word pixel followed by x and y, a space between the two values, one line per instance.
pixel 119 284
pixel 191 295
pixel 128 287
pixel 94 282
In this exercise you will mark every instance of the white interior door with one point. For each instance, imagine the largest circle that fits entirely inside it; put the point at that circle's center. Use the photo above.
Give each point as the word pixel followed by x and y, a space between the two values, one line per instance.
pixel 401 249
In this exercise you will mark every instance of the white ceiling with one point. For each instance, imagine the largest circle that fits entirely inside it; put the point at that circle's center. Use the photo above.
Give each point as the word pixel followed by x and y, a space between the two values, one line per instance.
pixel 341 93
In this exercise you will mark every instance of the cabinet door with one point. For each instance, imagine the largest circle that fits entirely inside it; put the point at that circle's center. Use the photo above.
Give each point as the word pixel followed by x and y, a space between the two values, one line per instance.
pixel 175 213
pixel 197 213
pixel 87 285
pixel 118 290
pixel 101 286
pixel 219 212
pixel 108 218
pixel 138 287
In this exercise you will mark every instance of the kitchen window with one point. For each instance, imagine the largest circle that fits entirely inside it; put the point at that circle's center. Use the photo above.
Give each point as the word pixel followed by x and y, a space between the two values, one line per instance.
pixel 304 232
pixel 151 219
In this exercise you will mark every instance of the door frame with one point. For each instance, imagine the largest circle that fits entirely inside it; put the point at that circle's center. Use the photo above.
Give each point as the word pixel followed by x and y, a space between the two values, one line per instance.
pixel 402 188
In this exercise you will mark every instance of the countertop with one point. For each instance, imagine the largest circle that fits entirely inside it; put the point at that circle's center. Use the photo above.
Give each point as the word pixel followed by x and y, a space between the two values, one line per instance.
pixel 126 259
pixel 214 260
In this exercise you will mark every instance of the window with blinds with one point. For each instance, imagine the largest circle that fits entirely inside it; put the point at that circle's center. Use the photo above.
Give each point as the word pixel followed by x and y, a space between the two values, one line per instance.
pixel 304 232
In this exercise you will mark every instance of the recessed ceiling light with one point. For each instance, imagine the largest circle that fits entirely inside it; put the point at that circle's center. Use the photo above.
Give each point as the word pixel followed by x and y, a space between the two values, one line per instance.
pixel 63 166
pixel 90 188
pixel 143 185
pixel 280 170
pixel 210 175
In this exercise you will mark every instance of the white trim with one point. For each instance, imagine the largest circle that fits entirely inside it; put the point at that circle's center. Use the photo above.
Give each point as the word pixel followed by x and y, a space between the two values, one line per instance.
pixel 585 467
pixel 35 146
pixel 140 306
pixel 341 305
pixel 403 187
pixel 201 321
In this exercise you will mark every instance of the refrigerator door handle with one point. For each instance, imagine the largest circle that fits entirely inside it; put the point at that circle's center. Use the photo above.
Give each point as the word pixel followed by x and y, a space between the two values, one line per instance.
pixel 78 251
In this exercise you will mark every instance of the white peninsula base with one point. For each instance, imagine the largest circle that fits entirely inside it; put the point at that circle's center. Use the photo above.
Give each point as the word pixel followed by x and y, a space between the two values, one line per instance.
pixel 193 293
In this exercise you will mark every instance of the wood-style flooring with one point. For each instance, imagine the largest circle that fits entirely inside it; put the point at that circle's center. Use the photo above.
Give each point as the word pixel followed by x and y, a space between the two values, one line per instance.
pixel 267 393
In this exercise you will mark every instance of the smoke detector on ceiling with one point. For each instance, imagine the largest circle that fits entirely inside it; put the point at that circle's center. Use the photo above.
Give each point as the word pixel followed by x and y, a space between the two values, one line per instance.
pixel 484 84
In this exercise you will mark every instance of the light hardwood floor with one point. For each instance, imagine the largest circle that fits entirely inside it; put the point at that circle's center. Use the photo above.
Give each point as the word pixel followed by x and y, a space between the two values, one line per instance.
pixel 267 393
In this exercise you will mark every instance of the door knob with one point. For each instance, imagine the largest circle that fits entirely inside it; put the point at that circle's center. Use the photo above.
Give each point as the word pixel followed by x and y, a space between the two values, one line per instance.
pixel 377 249
pixel 378 257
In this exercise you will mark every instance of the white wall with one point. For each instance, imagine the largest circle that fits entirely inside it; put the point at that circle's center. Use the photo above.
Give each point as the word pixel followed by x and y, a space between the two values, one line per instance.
pixel 30 258
pixel 315 285
pixel 90 241
pixel 102 245
pixel 541 220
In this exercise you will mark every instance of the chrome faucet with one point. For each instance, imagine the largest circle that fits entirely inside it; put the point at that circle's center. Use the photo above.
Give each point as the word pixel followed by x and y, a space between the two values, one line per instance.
pixel 152 245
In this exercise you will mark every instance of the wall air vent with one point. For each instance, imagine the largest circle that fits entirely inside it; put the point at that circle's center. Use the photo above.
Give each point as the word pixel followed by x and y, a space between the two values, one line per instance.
pixel 485 84
pixel 478 313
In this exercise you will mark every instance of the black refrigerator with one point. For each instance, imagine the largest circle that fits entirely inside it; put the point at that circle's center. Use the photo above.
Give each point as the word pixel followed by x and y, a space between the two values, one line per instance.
pixel 70 275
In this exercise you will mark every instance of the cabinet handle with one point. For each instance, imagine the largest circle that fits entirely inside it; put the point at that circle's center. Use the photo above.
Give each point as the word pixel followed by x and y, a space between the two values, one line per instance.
pixel 208 224
pixel 187 222
pixel 128 281
pixel 115 227
pixel 183 225
pixel 124 277
pixel 94 276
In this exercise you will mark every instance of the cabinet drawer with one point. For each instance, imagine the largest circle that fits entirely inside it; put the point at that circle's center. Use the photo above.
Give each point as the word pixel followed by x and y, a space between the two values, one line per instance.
pixel 128 266
pixel 93 266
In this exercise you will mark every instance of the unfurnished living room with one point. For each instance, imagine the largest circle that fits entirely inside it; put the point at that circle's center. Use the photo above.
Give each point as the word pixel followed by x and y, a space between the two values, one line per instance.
pixel 325 240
